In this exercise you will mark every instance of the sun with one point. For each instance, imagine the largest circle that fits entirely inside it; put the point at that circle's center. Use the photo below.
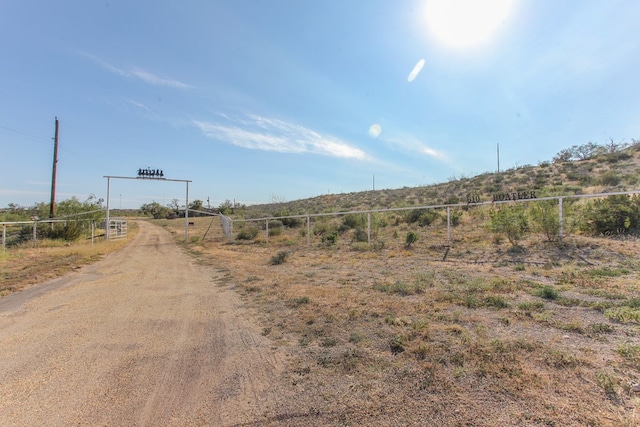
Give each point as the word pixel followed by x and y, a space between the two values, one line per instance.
pixel 466 23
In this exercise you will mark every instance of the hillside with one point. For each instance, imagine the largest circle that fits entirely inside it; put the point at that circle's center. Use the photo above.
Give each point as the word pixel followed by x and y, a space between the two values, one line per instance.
pixel 583 169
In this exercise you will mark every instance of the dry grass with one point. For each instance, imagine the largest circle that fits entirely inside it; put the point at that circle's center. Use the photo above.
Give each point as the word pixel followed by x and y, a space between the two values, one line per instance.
pixel 396 336
pixel 24 266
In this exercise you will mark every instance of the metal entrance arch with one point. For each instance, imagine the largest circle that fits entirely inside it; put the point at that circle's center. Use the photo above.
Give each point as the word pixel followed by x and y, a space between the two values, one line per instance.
pixel 147 178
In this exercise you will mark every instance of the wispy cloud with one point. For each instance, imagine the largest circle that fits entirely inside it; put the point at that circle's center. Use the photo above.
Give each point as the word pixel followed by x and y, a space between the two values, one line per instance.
pixel 260 133
pixel 138 73
pixel 152 79
pixel 413 145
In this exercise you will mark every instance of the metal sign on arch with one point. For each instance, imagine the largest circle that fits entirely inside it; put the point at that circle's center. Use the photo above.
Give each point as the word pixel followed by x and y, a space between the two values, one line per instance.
pixel 152 175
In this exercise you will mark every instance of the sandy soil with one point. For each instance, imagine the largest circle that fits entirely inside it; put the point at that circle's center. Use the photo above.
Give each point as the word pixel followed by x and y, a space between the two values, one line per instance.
pixel 143 337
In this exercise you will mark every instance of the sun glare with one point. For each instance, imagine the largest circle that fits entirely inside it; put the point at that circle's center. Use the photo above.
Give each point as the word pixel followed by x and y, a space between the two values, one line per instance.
pixel 465 23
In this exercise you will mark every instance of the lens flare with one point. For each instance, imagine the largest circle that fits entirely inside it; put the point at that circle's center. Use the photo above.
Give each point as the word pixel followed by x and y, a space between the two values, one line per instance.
pixel 416 70
pixel 375 130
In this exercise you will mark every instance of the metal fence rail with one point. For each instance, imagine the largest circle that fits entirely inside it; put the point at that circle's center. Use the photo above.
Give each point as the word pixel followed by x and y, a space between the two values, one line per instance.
pixel 447 207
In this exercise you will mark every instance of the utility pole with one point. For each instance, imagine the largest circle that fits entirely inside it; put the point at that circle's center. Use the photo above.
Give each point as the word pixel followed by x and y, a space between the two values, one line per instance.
pixel 52 206
pixel 498 150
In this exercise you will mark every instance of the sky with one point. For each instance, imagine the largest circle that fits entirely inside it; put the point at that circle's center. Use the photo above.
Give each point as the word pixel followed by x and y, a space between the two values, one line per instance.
pixel 257 101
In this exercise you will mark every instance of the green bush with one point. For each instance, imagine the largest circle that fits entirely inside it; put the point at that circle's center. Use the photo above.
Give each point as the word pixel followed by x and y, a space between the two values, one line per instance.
pixel 354 221
pixel 411 238
pixel 330 239
pixel 613 214
pixel 548 292
pixel 423 217
pixel 247 233
pixel 360 235
pixel 511 221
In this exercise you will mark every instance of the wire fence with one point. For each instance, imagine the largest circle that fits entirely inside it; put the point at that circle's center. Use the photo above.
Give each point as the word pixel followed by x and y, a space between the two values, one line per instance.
pixel 439 225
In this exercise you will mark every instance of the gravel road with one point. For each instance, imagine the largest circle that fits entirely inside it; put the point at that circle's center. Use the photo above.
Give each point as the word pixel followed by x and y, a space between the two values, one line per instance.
pixel 144 337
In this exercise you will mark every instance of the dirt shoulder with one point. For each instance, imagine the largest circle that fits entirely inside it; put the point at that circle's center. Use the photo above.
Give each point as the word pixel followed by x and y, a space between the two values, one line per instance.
pixel 142 337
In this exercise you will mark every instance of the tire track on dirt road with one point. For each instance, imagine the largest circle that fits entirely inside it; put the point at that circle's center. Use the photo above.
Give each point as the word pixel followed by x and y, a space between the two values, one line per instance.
pixel 143 337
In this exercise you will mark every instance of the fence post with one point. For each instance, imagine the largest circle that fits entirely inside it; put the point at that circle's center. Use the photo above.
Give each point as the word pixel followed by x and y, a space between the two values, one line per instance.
pixel 4 237
pixel 308 230
pixel 448 226
pixel 93 231
pixel 267 228
pixel 369 227
pixel 34 233
pixel 560 221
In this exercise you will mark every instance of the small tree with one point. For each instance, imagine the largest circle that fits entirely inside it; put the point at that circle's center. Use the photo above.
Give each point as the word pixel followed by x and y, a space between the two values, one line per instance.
pixel 512 221
pixel 411 238
pixel 155 209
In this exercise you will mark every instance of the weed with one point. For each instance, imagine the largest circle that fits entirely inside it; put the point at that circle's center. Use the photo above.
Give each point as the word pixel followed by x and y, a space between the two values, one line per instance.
pixel 601 328
pixel 606 381
pixel 629 351
pixel 531 305
pixel 279 258
pixel 548 292
pixel 328 342
pixel 300 301
pixel 355 338
pixel 623 314
pixel 401 288
pixel 496 302
pixel 519 267
pixel 396 344
pixel 607 272
pixel 560 359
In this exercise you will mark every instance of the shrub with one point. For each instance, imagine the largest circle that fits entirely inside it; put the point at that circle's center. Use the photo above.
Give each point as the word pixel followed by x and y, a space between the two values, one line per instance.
pixel 279 258
pixel 247 233
pixel 396 344
pixel 411 238
pixel 610 179
pixel 512 221
pixel 619 213
pixel 354 221
pixel 273 224
pixel 548 292
pixel 330 239
pixel 423 217
pixel 360 235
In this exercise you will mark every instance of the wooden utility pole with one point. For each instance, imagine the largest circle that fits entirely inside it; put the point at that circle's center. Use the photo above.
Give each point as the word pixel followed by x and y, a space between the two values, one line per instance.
pixel 52 206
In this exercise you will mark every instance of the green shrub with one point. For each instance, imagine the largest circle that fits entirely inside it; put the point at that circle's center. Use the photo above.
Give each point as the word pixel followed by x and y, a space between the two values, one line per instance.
pixel 610 179
pixel 247 233
pixel 354 221
pixel 511 221
pixel 618 214
pixel 330 239
pixel 275 231
pixel 548 292
pixel 273 224
pixel 411 238
pixel 360 235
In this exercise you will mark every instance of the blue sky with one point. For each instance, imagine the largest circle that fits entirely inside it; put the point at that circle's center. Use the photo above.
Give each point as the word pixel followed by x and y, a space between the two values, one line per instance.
pixel 257 100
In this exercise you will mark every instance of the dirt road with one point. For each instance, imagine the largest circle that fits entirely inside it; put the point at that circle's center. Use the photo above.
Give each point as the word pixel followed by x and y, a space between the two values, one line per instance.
pixel 144 337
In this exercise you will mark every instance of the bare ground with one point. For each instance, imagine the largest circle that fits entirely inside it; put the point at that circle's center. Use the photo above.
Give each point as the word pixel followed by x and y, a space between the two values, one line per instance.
pixel 143 337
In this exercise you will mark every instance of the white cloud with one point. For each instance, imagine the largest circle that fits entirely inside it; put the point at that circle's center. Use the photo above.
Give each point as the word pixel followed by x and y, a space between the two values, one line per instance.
pixel 139 73
pixel 152 79
pixel 261 133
